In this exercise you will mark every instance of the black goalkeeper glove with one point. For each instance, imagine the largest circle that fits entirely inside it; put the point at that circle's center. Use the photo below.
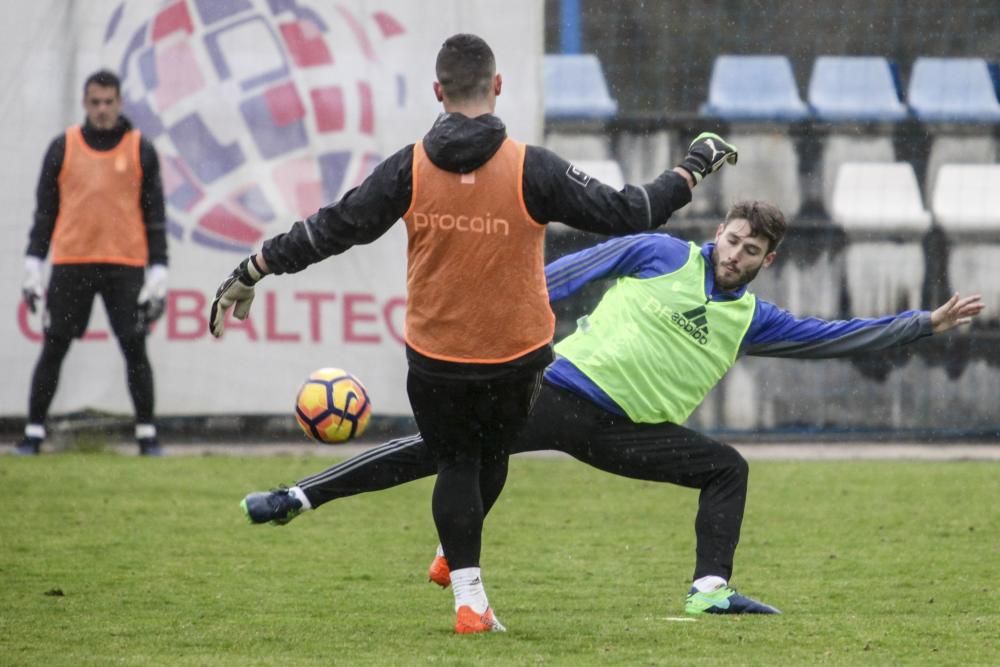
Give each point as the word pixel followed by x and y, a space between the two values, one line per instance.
pixel 706 154
pixel 237 290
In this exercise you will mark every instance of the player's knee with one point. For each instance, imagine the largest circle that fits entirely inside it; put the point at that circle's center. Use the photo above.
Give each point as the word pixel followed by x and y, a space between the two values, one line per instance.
pixel 134 348
pixel 736 463
pixel 55 347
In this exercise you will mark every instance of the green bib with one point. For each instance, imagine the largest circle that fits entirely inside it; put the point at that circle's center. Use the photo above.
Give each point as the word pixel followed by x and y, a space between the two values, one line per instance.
pixel 657 346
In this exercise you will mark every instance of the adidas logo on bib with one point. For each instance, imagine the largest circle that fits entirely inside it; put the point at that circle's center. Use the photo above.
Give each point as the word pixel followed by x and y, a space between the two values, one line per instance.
pixel 694 323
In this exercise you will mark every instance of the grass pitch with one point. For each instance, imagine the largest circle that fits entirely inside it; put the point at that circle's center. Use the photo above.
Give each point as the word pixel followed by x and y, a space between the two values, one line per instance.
pixel 108 559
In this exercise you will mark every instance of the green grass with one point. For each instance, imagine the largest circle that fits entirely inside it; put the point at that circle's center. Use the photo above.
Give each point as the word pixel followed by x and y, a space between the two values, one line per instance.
pixel 108 560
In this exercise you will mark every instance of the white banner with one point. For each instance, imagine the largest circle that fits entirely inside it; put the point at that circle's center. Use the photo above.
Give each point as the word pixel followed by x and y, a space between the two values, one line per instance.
pixel 261 111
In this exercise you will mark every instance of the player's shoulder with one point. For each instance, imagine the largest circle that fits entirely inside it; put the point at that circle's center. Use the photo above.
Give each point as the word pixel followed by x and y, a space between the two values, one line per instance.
pixel 655 252
pixel 56 148
pixel 664 241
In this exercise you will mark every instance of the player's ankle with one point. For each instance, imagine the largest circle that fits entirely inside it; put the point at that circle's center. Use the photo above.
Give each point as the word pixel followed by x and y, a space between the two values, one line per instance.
pixel 709 583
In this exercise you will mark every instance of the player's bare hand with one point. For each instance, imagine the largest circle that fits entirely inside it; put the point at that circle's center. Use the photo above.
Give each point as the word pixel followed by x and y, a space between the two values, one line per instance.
pixel 956 311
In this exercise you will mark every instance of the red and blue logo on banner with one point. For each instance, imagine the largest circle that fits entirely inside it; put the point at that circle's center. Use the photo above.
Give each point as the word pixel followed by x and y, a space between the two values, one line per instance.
pixel 256 107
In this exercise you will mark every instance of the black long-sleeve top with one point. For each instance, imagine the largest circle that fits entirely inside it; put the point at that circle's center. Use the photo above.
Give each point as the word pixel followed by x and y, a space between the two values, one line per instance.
pixel 553 191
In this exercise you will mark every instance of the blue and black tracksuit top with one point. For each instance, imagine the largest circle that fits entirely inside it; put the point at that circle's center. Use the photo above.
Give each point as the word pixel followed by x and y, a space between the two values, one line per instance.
pixel 773 332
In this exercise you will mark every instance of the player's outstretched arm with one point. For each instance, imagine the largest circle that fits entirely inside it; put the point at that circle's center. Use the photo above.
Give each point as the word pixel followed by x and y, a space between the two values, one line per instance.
pixel 956 312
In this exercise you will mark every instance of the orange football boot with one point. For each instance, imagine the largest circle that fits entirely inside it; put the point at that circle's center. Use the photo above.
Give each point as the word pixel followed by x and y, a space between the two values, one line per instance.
pixel 468 622
pixel 439 572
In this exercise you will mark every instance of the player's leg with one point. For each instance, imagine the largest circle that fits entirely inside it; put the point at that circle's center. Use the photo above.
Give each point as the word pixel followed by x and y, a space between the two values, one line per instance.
pixel 393 463
pixel 68 302
pixel 44 381
pixel 468 427
pixel 445 414
pixel 665 453
pixel 674 454
pixel 120 291
pixel 390 464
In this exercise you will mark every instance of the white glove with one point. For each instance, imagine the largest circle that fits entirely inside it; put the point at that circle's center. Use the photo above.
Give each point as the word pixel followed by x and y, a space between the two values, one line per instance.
pixel 31 289
pixel 152 296
pixel 236 289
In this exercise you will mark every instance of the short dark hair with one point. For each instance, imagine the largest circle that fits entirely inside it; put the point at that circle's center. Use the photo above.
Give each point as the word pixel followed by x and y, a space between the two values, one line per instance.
pixel 765 220
pixel 104 78
pixel 465 67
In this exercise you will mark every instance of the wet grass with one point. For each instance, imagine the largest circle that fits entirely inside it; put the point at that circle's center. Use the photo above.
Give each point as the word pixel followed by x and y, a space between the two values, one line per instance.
pixel 109 559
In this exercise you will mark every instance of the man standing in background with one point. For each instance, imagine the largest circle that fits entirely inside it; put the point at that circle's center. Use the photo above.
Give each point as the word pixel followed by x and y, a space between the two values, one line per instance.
pixel 100 214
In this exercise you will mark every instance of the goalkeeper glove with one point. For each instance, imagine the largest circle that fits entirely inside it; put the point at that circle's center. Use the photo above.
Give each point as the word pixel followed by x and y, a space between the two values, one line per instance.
pixel 31 288
pixel 152 296
pixel 236 289
pixel 706 154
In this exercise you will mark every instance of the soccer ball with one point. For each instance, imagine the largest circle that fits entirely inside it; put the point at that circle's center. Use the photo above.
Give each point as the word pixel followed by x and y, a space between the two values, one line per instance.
pixel 332 406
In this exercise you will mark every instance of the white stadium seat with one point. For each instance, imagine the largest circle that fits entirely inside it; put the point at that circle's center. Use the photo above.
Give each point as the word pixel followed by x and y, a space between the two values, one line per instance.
pixel 967 197
pixel 878 197
pixel 966 204
pixel 880 207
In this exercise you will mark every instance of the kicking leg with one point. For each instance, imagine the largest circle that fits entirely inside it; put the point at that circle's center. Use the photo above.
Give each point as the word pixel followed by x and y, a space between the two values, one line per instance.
pixel 396 462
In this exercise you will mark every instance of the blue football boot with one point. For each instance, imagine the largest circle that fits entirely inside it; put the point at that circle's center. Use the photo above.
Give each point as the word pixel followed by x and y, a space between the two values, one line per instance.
pixel 724 600
pixel 278 507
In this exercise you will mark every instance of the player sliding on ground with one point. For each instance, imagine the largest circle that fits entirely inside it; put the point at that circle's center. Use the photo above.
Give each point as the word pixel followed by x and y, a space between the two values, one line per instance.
pixel 675 321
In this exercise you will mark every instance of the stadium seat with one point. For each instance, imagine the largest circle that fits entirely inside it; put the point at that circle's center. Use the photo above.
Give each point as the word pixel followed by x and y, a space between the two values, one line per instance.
pixel 575 88
pixel 878 197
pixel 805 283
pixel 955 90
pixel 855 88
pixel 953 148
pixel 884 277
pixel 967 198
pixel 841 147
pixel 754 88
pixel 966 203
pixel 972 269
pixel 768 169
pixel 881 209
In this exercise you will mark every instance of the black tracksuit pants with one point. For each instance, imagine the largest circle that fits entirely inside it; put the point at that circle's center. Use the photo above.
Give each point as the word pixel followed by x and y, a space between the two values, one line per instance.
pixel 469 428
pixel 563 421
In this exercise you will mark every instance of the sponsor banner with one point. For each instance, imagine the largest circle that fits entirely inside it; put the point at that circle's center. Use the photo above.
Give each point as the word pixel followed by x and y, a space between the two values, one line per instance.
pixel 261 112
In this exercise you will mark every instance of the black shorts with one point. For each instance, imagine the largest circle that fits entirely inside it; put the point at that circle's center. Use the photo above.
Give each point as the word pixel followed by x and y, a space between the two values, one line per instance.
pixel 71 293
pixel 471 420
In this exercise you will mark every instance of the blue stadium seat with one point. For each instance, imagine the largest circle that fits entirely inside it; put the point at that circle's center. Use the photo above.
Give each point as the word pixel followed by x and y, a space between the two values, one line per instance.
pixel 754 88
pixel 954 90
pixel 575 88
pixel 855 88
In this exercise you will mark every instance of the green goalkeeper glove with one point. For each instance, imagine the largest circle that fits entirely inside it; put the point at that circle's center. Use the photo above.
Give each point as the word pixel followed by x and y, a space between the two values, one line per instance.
pixel 706 154
pixel 238 291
